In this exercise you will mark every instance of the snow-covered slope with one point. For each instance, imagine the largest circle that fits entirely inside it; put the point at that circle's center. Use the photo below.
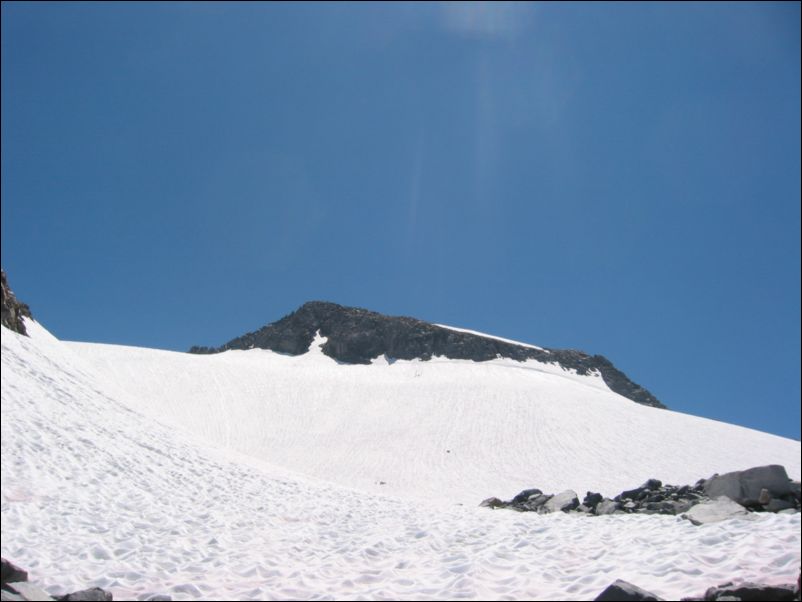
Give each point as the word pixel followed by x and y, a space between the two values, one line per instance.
pixel 117 471
pixel 450 430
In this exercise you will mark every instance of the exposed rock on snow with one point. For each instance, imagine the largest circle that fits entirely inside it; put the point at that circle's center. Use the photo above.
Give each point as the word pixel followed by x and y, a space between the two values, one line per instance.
pixel 715 510
pixel 10 572
pixel 358 336
pixel 655 498
pixel 750 592
pixel 622 590
pixel 12 310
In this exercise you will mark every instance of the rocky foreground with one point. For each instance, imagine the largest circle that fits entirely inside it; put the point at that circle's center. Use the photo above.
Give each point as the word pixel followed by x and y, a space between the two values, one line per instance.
pixel 734 494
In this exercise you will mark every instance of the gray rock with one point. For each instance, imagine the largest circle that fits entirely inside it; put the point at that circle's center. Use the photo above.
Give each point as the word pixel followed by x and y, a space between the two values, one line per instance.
pixel 718 509
pixel 492 502
pixel 562 502
pixel 525 495
pixel 535 503
pixel 776 505
pixel 592 499
pixel 751 591
pixel 796 490
pixel 8 596
pixel 93 594
pixel 11 572
pixel 28 591
pixel 606 506
pixel 744 486
pixel 764 498
pixel 622 590
pixel 160 598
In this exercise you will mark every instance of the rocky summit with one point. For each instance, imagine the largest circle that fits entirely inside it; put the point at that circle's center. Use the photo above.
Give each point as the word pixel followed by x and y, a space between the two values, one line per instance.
pixel 357 336
pixel 12 309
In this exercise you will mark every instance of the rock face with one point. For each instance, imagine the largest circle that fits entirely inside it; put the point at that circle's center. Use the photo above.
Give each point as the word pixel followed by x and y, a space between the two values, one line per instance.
pixel 12 309
pixel 357 336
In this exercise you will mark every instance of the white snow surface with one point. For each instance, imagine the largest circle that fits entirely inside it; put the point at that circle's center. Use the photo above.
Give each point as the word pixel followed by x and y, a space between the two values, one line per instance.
pixel 490 336
pixel 252 475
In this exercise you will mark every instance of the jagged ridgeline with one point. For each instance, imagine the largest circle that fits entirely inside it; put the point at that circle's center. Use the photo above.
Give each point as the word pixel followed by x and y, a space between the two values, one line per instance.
pixel 357 336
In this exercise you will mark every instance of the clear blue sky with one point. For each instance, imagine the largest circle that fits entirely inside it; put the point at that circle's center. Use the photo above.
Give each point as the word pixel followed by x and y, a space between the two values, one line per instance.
pixel 622 179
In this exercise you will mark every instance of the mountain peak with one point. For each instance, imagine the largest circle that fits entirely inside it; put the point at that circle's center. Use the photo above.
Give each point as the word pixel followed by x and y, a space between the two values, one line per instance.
pixel 358 336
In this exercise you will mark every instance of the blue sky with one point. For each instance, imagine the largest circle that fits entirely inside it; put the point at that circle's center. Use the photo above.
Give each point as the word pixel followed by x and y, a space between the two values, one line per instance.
pixel 622 179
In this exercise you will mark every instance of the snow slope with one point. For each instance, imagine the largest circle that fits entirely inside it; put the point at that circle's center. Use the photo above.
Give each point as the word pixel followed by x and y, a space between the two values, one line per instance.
pixel 97 491
pixel 448 430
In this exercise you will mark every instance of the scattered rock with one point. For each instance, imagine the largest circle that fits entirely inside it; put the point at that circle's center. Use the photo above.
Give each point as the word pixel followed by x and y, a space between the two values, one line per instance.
pixel 621 590
pixel 761 489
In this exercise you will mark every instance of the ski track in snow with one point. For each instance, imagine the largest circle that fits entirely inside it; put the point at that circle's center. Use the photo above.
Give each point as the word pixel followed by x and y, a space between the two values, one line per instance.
pixel 96 492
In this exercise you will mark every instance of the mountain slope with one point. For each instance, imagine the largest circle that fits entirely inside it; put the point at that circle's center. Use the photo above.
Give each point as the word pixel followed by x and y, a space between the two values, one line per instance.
pixel 96 493
pixel 448 430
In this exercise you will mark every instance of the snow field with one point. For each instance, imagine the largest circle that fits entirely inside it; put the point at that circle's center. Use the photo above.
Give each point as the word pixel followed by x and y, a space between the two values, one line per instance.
pixel 96 491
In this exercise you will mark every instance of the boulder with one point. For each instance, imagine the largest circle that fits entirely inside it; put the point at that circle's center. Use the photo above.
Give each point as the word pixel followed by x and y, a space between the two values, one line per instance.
pixel 744 486
pixel 534 504
pixel 93 594
pixel 751 591
pixel 606 506
pixel 652 484
pixel 28 591
pixel 562 502
pixel 525 495
pixel 492 502
pixel 592 499
pixel 10 572
pixel 622 590
pixel 718 509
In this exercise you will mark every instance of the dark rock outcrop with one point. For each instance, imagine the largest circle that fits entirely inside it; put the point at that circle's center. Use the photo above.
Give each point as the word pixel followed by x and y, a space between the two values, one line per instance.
pixel 11 309
pixel 357 336
pixel 623 590
pixel 15 587
pixel 93 594
pixel 752 592
pixel 10 572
